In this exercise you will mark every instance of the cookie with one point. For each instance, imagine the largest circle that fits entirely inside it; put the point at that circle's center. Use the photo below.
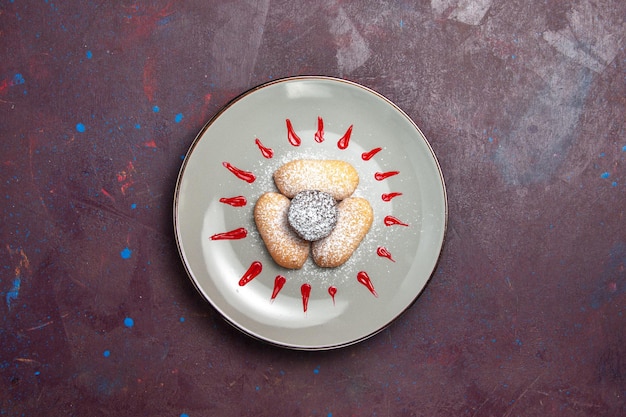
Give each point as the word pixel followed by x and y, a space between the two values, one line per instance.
pixel 312 214
pixel 284 245
pixel 355 217
pixel 337 178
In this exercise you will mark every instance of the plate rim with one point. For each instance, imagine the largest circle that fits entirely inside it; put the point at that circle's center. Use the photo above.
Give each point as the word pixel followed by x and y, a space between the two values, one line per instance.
pixel 177 191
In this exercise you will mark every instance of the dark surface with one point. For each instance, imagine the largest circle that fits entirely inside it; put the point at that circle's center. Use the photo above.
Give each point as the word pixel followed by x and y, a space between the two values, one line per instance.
pixel 523 103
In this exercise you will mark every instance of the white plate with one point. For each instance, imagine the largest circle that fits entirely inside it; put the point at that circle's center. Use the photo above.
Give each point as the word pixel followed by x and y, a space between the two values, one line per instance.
pixel 235 138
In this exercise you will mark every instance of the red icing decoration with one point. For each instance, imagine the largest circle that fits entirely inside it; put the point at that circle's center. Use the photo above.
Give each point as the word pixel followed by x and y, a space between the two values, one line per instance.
pixel 279 282
pixel 384 253
pixel 366 156
pixel 238 201
pixel 266 152
pixel 242 175
pixel 388 197
pixel 232 235
pixel 305 290
pixel 255 269
pixel 291 135
pixel 319 135
pixel 345 139
pixel 332 291
pixel 391 221
pixel 364 279
pixel 379 176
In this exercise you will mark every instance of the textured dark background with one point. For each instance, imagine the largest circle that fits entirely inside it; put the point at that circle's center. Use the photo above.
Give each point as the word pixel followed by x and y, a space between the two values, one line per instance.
pixel 523 102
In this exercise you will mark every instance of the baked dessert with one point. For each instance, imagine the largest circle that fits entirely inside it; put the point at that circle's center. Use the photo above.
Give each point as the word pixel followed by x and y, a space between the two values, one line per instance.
pixel 284 245
pixel 306 216
pixel 337 178
pixel 312 214
pixel 355 217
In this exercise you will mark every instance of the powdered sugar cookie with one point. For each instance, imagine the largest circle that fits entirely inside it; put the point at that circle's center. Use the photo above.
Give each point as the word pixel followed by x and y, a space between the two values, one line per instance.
pixel 337 178
pixel 285 247
pixel 355 217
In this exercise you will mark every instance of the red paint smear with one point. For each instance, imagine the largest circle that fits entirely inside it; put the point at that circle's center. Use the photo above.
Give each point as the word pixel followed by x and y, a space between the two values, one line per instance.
pixel 364 279
pixel 5 84
pixel 388 197
pixel 366 156
pixel 242 175
pixel 384 253
pixel 238 201
pixel 332 291
pixel 150 144
pixel 392 221
pixel 291 135
pixel 106 193
pixel 305 290
pixel 149 80
pixel 141 21
pixel 126 186
pixel 345 139
pixel 125 175
pixel 235 234
pixel 266 152
pixel 279 283
pixel 379 176
pixel 201 115
pixel 319 135
pixel 255 269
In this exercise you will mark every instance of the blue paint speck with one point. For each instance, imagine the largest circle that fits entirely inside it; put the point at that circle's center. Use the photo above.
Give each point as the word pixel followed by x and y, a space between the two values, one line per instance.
pixel 18 79
pixel 184 415
pixel 490 139
pixel 14 292
pixel 614 184
pixel 316 370
pixel 80 127
pixel 106 353
pixel 329 415
pixel 624 148
pixel 182 319
pixel 88 54
pixel 133 206
pixel 128 322
pixel 164 21
pixel 178 118
pixel 126 253
pixel 137 126
pixel 605 175
pixel 257 388
pixel 155 109
pixel 37 373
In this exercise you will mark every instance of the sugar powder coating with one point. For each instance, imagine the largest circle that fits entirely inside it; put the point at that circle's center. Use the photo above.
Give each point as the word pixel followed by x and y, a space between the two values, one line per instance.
pixel 338 178
pixel 313 214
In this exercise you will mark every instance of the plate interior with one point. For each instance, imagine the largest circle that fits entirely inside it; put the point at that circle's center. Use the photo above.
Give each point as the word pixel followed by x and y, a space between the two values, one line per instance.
pixel 399 175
